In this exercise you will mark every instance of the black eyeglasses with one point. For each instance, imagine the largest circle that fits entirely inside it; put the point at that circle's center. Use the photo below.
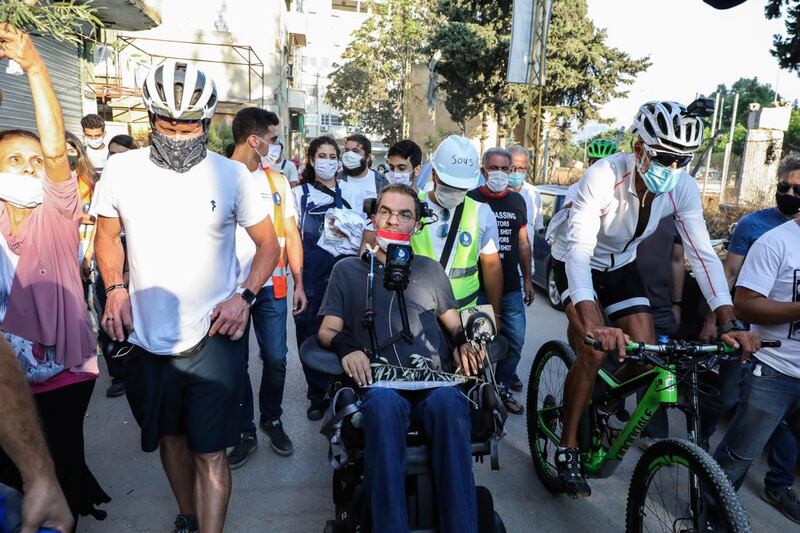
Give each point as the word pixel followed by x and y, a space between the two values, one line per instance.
pixel 784 187
pixel 668 158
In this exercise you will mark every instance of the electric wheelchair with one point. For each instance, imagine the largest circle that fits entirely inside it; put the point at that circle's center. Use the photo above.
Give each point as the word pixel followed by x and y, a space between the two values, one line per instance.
pixel 342 428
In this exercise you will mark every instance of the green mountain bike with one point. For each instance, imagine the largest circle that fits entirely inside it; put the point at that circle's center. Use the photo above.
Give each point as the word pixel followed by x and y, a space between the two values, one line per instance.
pixel 675 484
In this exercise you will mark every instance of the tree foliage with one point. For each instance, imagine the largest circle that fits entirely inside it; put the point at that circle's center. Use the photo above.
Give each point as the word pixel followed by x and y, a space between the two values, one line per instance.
pixel 367 87
pixel 786 47
pixel 583 72
pixel 63 21
pixel 750 91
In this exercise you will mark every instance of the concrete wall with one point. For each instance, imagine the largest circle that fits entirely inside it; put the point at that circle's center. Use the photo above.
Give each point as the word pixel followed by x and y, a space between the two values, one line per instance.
pixel 762 153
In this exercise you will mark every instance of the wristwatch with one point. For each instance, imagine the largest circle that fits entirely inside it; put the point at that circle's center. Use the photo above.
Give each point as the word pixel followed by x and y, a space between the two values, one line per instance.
pixel 247 295
pixel 732 325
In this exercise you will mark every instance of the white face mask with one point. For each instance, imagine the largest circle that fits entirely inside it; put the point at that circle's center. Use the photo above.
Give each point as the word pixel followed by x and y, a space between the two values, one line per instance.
pixel 273 154
pixel 449 197
pixel 351 159
pixel 326 168
pixel 399 177
pixel 94 143
pixel 20 190
pixel 497 181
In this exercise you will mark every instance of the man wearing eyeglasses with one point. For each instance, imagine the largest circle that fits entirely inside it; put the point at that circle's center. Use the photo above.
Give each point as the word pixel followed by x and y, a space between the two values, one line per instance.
pixel 783 454
pixel 443 411
pixel 618 202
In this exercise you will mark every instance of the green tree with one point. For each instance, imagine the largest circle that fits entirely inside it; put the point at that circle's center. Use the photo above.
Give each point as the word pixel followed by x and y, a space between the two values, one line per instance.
pixel 583 72
pixel 791 140
pixel 786 47
pixel 370 85
pixel 64 21
pixel 750 91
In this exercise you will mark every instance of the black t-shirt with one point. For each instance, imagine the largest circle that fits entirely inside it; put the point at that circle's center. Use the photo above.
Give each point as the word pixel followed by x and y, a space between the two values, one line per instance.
pixel 511 214
pixel 654 262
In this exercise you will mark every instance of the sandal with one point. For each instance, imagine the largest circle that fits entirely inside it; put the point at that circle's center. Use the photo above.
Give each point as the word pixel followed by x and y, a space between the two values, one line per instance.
pixel 512 405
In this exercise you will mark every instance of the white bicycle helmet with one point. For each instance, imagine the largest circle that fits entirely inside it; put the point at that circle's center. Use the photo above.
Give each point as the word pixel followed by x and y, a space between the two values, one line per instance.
pixel 178 90
pixel 666 124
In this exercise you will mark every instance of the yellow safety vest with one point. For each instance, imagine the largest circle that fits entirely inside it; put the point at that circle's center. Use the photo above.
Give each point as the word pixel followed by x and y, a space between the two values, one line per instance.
pixel 463 269
pixel 278 191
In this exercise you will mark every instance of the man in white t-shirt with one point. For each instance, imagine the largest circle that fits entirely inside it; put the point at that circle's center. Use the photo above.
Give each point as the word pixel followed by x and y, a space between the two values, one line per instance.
pixel 94 133
pixel 767 296
pixel 357 180
pixel 255 133
pixel 182 311
pixel 520 161
pixel 284 166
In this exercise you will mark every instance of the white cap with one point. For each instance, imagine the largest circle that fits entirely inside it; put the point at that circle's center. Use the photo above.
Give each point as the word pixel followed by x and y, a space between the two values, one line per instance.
pixel 456 163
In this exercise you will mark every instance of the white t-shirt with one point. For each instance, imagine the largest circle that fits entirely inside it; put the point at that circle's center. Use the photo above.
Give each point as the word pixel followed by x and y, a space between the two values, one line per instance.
pixel 245 247
pixel 356 190
pixel 772 269
pixel 288 169
pixel 487 230
pixel 98 157
pixel 180 231
pixel 533 203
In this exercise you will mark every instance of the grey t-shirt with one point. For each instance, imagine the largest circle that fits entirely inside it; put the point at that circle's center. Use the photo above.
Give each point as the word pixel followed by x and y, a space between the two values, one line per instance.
pixel 428 296
pixel 654 262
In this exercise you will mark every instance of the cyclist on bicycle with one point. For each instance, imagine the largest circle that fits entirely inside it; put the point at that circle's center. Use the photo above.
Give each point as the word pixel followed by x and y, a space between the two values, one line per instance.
pixel 618 202
pixel 599 149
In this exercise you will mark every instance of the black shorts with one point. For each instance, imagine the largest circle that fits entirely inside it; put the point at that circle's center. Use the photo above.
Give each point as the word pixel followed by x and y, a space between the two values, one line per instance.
pixel 198 395
pixel 619 292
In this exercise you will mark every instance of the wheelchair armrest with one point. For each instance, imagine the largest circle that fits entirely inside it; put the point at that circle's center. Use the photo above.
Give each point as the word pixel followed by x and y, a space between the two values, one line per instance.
pixel 315 356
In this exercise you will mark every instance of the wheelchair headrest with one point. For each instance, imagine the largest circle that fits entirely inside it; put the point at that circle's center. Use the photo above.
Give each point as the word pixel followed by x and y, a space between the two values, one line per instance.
pixel 315 356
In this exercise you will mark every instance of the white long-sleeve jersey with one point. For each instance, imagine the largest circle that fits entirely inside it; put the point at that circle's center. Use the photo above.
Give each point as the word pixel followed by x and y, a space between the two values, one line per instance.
pixel 600 230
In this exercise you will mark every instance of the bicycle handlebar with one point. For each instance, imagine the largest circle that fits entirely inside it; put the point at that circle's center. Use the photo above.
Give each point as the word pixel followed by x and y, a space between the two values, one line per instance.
pixel 680 347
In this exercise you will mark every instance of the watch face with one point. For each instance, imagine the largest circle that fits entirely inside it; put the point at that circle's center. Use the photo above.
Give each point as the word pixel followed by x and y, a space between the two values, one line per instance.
pixel 248 296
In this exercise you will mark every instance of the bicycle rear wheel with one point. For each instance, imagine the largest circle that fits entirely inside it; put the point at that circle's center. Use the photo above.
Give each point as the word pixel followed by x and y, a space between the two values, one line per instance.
pixel 661 498
pixel 544 408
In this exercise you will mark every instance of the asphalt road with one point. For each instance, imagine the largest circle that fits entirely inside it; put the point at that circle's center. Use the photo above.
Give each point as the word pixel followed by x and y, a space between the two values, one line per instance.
pixel 278 494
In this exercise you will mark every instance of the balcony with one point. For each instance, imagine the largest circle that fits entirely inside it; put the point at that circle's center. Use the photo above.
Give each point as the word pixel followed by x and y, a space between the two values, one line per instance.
pixel 296 26
pixel 129 15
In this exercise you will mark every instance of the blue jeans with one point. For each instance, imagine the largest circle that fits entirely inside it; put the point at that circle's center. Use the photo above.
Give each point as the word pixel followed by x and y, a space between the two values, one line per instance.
pixel 783 452
pixel 513 329
pixel 767 401
pixel 268 316
pixel 444 417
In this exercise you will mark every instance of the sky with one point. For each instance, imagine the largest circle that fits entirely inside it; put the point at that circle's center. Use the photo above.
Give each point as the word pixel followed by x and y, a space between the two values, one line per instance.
pixel 692 47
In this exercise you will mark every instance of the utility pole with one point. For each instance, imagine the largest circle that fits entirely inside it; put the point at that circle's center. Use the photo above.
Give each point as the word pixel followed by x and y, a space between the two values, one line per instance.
pixel 728 147
pixel 710 140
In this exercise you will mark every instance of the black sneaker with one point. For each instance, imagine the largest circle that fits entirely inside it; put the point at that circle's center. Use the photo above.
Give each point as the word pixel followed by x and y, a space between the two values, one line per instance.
pixel 186 524
pixel 785 500
pixel 516 384
pixel 241 452
pixel 315 412
pixel 570 472
pixel 116 389
pixel 279 441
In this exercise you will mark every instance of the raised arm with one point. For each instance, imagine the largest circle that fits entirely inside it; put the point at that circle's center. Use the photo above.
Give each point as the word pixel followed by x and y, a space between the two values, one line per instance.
pixel 18 46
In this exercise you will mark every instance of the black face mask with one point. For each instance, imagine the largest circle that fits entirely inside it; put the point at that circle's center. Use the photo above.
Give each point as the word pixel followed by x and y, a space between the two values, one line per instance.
pixel 788 205
pixel 179 156
pixel 73 162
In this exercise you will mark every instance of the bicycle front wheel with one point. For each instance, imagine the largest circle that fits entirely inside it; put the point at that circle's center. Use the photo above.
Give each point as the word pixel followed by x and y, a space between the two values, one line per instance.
pixel 544 408
pixel 677 486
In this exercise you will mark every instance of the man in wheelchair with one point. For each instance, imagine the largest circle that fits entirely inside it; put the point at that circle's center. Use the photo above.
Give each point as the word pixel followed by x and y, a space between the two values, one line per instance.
pixel 426 347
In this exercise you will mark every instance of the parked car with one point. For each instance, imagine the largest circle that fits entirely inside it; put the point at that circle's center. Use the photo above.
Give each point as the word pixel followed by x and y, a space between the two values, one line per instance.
pixel 552 201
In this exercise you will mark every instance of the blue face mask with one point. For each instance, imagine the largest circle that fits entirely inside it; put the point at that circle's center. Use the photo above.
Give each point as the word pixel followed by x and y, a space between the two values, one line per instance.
pixel 515 179
pixel 660 179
